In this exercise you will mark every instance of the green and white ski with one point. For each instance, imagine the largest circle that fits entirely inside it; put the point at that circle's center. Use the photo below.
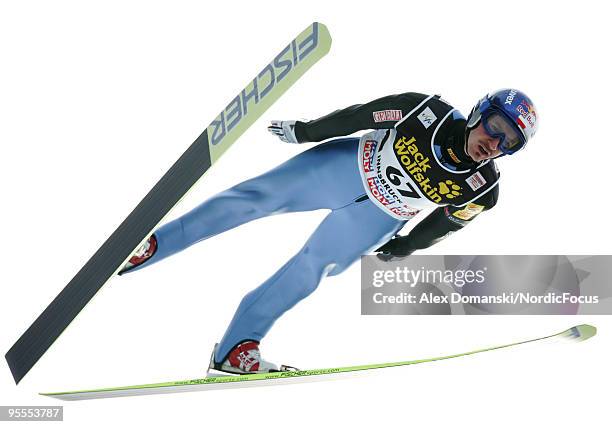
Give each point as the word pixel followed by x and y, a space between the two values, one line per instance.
pixel 576 333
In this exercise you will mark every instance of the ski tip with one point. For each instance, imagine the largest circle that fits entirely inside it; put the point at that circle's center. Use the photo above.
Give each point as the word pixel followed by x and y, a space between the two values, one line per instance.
pixel 579 333
pixel 322 28
pixel 324 36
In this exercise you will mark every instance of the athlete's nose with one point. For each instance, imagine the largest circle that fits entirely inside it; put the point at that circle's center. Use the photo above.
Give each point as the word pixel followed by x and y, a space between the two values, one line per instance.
pixel 493 143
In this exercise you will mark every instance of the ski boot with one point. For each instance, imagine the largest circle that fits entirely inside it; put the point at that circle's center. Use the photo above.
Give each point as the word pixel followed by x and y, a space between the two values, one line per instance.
pixel 143 253
pixel 243 359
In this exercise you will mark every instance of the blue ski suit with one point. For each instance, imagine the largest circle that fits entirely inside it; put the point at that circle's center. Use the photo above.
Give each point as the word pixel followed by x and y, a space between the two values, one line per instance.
pixel 324 177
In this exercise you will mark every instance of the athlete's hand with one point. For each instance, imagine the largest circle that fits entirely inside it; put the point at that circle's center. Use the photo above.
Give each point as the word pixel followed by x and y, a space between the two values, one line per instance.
pixel 398 247
pixel 285 130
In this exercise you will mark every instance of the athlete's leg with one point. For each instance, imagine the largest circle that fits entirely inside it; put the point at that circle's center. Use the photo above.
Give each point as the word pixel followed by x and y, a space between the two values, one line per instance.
pixel 325 176
pixel 341 238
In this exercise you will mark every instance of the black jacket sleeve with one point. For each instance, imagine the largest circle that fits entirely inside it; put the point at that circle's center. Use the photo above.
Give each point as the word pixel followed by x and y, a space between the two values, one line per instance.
pixel 438 225
pixel 382 113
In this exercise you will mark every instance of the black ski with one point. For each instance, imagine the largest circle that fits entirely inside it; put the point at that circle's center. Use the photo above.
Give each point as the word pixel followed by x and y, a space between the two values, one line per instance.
pixel 275 78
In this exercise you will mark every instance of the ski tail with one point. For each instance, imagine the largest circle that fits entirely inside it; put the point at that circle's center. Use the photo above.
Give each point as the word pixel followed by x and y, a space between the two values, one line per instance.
pixel 276 77
pixel 574 334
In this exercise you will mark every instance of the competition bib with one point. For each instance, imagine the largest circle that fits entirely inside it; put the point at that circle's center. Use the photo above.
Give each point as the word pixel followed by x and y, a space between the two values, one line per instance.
pixel 401 172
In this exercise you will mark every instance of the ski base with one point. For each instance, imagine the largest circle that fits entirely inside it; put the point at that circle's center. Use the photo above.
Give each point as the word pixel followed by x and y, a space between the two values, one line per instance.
pixel 576 333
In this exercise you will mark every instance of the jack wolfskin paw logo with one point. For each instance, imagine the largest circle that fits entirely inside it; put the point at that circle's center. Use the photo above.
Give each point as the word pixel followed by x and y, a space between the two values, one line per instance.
pixel 449 189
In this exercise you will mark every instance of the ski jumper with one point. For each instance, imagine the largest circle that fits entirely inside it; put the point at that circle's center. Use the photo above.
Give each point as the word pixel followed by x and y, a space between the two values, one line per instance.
pixel 372 186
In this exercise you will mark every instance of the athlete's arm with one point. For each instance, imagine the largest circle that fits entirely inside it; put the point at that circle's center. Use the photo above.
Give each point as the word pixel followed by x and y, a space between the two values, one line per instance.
pixel 381 113
pixel 438 225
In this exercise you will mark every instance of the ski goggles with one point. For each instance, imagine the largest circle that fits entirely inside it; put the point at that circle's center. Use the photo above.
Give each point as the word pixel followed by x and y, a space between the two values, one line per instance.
pixel 497 125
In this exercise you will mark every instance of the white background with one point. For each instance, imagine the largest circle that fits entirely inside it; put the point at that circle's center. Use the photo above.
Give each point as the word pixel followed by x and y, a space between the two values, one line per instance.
pixel 98 100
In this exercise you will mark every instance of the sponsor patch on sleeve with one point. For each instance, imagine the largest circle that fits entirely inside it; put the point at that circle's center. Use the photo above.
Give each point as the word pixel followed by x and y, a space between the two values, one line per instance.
pixel 387 116
pixel 427 117
pixel 469 211
pixel 476 180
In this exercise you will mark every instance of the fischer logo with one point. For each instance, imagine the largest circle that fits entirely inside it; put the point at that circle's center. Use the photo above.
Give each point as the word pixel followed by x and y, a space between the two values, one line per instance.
pixel 272 75
pixel 510 97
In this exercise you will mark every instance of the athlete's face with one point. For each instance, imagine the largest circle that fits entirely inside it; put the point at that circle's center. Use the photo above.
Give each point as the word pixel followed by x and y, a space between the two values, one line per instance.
pixel 481 146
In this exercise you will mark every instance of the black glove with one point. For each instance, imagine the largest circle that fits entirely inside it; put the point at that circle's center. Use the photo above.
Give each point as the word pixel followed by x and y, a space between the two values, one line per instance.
pixel 398 247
